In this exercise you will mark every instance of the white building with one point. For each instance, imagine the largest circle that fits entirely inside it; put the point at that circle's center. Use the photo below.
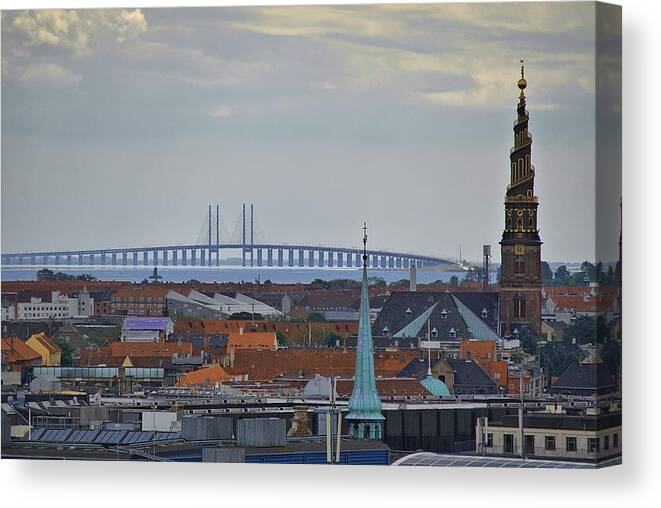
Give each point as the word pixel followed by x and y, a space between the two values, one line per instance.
pixel 59 307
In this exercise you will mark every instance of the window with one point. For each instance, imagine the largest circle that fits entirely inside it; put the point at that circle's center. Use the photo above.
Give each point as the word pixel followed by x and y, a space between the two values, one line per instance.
pixel 452 333
pixel 519 306
pixel 570 444
pixel 408 312
pixel 549 443
pixel 444 314
pixel 616 440
pixel 490 440
pixel 434 333
pixel 606 442
pixel 519 266
pixel 530 444
pixel 593 445
pixel 484 313
pixel 508 443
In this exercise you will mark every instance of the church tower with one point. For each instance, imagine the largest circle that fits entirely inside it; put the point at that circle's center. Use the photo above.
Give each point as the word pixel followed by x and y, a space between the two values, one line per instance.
pixel 365 419
pixel 520 247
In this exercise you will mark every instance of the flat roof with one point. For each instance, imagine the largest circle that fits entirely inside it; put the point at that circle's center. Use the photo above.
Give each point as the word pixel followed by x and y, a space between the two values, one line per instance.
pixel 441 460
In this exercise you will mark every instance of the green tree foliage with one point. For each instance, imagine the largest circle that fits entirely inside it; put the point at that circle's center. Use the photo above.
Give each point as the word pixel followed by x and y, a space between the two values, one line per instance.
pixel 562 276
pixel 46 274
pixel 66 353
pixel 316 317
pixel 282 339
pixel 547 274
pixel 331 339
pixel 556 358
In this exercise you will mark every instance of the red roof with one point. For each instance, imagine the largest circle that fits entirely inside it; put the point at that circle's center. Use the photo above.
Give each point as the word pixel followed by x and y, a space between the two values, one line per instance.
pixel 206 376
pixel 252 340
pixel 15 350
pixel 268 365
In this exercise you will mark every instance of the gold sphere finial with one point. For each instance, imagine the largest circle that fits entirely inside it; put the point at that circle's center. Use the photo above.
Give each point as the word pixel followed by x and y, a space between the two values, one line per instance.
pixel 522 84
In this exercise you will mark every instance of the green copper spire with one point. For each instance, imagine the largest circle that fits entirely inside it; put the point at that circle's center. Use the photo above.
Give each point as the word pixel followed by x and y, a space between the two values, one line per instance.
pixel 365 405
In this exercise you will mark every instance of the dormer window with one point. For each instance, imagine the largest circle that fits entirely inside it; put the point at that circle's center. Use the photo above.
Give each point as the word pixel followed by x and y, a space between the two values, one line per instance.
pixel 434 332
pixel 386 330
pixel 453 333
pixel 444 314
pixel 484 313
pixel 408 312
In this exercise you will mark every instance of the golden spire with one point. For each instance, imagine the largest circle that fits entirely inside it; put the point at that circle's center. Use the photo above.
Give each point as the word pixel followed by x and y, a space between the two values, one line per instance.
pixel 522 84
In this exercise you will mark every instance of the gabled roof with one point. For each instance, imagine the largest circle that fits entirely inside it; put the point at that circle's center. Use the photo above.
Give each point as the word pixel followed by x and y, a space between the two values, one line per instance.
pixel 206 376
pixel 585 379
pixel 443 316
pixel 476 325
pixel 43 339
pixel 15 350
pixel 477 301
pixel 470 374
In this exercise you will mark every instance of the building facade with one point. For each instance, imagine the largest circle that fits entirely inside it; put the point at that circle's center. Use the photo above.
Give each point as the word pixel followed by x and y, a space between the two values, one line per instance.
pixel 520 278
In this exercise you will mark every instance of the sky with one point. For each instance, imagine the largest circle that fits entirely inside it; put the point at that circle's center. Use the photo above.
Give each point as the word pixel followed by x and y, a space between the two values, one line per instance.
pixel 120 126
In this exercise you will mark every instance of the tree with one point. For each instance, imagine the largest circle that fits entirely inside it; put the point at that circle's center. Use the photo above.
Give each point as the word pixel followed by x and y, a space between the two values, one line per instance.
pixel 545 269
pixel 316 317
pixel 583 329
pixel 331 339
pixel 66 353
pixel 562 275
pixel 282 339
pixel 556 359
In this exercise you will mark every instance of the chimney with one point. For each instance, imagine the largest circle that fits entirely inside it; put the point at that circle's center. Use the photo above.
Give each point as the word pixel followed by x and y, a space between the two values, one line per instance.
pixel 240 330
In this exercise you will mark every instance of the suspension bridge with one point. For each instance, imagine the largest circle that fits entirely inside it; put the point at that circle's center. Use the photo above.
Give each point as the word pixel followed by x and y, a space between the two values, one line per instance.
pixel 209 249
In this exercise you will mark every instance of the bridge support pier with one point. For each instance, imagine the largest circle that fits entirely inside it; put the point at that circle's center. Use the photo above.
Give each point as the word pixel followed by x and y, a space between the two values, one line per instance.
pixel 184 255
pixel 203 255
pixel 340 260
pixel 165 258
pixel 321 259
pixel 193 257
pixel 259 257
pixel 279 257
pixel 330 258
pixel 80 259
pixel 301 261
pixel 290 257
pixel 311 258
pixel 269 257
pixel 174 257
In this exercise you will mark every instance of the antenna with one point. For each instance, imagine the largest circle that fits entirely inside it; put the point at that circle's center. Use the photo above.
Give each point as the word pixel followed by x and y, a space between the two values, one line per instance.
pixel 364 244
pixel 429 346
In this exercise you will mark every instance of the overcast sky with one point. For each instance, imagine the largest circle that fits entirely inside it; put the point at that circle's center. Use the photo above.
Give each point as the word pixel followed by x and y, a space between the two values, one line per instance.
pixel 119 127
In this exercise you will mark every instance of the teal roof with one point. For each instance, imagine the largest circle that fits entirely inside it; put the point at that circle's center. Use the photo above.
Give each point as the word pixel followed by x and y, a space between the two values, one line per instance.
pixel 435 386
pixel 477 328
pixel 365 403
pixel 414 327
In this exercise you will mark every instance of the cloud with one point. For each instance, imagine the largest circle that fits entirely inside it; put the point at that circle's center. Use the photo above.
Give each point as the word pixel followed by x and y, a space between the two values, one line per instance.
pixel 77 30
pixel 47 75
pixel 221 111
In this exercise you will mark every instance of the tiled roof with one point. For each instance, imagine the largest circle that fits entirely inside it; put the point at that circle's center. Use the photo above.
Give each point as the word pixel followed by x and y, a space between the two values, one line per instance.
pixel 153 291
pixel 252 340
pixel 327 300
pixel 15 350
pixel 43 339
pixel 469 375
pixel 477 301
pixel 206 376
pixel 402 308
pixel 155 349
pixel 585 379
pixel 268 365
pixel 387 387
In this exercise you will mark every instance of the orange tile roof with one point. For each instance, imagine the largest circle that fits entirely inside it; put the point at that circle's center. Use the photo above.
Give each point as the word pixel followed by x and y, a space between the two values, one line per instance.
pixel 268 365
pixel 479 349
pixel 252 340
pixel 206 376
pixel 15 350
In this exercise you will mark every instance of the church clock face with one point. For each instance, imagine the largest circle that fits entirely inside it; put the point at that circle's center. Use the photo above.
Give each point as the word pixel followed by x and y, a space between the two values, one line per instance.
pixel 519 250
